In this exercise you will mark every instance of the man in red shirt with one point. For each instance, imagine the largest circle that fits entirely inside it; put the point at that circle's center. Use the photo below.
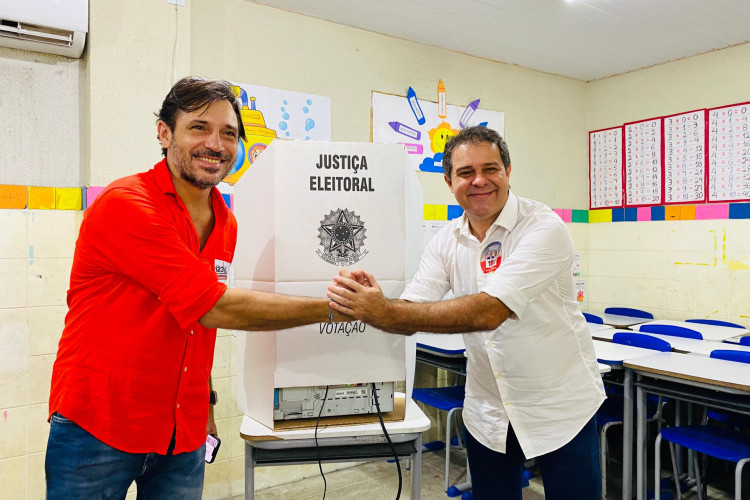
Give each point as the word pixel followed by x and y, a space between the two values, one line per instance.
pixel 130 385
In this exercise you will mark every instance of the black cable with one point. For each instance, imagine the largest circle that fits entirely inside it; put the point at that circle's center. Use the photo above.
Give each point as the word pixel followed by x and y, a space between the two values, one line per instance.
pixel 388 438
pixel 317 448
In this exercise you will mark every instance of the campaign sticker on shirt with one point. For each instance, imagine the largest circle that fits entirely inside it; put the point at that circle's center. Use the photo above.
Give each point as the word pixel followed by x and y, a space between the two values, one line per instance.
pixel 491 257
pixel 223 270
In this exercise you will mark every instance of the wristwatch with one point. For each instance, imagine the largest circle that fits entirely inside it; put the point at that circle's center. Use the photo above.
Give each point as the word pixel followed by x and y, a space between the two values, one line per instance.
pixel 213 397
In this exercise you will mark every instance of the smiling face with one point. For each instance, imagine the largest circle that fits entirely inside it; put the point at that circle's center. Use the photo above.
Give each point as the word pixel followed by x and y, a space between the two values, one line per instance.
pixel 203 146
pixel 480 181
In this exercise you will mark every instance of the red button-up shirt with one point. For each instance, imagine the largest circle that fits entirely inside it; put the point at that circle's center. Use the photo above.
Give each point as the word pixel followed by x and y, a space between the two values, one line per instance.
pixel 133 361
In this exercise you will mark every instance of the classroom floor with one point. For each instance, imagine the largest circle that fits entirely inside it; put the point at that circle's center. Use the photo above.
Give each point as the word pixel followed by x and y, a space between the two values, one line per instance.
pixel 378 480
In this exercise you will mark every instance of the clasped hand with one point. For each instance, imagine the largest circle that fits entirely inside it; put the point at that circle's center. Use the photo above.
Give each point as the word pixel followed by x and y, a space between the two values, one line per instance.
pixel 357 294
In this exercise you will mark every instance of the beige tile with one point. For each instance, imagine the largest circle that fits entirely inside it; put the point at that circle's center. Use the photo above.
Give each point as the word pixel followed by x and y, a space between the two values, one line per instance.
pixel 14 389
pixel 40 376
pixel 600 263
pixel 651 294
pixel 45 328
pixel 237 476
pixel 681 234
pixel 600 236
pixel 708 235
pixel 739 300
pixel 652 236
pixel 711 299
pixel 14 283
pixel 625 291
pixel 584 263
pixel 710 268
pixel 12 432
pixel 13 477
pixel 625 236
pixel 53 233
pixel 222 358
pixel 48 280
pixel 624 263
pixel 680 296
pixel 579 233
pixel 14 341
pixel 652 264
pixel 38 427
pixel 216 482
pixel 13 229
pixel 36 489
pixel 682 265
pixel 236 443
pixel 599 289
pixel 227 406
pixel 738 234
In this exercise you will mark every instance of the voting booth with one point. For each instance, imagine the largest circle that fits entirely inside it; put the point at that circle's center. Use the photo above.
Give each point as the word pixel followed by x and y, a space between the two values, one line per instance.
pixel 305 210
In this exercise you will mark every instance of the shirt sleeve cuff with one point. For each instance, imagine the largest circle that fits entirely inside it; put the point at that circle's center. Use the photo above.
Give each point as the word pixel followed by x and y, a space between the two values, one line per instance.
pixel 512 296
pixel 192 293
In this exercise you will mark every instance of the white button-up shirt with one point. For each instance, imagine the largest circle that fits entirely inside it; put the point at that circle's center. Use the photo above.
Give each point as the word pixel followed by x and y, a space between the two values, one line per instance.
pixel 537 370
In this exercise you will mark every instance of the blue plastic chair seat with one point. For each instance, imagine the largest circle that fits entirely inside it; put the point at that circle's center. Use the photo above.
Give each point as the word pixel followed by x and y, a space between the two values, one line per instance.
pixel 593 318
pixel 719 443
pixel 673 330
pixel 442 398
pixel 714 322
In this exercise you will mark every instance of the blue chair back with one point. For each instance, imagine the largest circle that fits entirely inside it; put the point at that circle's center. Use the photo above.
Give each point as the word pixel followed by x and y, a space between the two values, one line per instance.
pixel 738 356
pixel 714 322
pixel 673 330
pixel 593 318
pixel 745 340
pixel 627 311
pixel 640 340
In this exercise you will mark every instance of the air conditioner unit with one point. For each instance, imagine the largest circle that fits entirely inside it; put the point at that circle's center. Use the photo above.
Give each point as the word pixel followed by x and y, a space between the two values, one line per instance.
pixel 50 26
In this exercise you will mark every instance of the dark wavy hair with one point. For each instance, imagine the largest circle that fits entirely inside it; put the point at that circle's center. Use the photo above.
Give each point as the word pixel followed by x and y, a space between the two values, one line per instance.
pixel 192 93
pixel 474 135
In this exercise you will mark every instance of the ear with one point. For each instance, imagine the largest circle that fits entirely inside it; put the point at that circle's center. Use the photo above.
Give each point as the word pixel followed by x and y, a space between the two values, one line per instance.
pixel 164 134
pixel 507 172
pixel 449 182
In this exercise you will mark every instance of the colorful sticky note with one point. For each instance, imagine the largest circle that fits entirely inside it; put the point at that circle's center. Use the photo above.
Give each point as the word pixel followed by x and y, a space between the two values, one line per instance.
pixel 12 196
pixel 687 212
pixel 580 216
pixel 603 215
pixel 720 211
pixel 441 212
pixel 429 212
pixel 91 193
pixel 42 198
pixel 68 198
pixel 672 213
pixel 567 215
pixel 455 211
pixel 644 213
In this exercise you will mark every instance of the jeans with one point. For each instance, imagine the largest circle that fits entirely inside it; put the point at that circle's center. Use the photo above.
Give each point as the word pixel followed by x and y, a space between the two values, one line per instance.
pixel 569 473
pixel 78 466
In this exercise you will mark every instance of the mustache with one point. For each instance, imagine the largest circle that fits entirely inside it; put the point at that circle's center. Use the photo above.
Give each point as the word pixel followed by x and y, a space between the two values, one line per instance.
pixel 213 154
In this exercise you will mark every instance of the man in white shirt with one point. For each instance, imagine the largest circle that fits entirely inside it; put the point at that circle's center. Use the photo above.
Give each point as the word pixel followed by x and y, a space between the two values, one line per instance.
pixel 532 383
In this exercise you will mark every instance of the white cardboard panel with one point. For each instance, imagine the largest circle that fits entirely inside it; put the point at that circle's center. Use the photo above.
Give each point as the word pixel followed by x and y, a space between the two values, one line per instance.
pixel 285 217
pixel 317 354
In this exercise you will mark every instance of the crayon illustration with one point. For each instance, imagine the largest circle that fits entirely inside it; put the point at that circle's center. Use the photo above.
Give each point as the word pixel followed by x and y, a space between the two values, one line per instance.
pixel 405 130
pixel 411 96
pixel 468 113
pixel 412 149
pixel 442 105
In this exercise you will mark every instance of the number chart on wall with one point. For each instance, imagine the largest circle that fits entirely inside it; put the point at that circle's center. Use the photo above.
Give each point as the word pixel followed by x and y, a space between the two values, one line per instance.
pixel 644 158
pixel 729 153
pixel 685 157
pixel 605 168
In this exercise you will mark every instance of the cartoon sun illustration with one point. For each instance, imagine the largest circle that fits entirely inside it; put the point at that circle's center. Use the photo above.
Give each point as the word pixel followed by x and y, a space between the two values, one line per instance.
pixel 440 135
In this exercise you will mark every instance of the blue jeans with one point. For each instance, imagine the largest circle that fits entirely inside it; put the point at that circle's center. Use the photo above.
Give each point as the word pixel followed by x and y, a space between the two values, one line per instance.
pixel 78 465
pixel 569 473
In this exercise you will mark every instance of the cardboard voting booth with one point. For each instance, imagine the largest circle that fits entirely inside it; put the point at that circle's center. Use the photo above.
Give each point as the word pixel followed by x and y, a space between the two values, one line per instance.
pixel 305 210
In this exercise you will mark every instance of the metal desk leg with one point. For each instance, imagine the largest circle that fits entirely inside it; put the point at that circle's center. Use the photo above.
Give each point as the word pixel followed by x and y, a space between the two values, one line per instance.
pixel 640 444
pixel 416 470
pixel 627 437
pixel 249 472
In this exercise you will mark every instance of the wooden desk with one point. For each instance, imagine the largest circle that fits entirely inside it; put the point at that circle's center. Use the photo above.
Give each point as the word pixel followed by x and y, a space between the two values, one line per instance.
pixel 709 332
pixel 697 379
pixel 266 447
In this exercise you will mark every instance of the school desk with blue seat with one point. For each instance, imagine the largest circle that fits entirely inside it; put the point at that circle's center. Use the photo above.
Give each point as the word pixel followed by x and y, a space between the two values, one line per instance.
pixel 717 441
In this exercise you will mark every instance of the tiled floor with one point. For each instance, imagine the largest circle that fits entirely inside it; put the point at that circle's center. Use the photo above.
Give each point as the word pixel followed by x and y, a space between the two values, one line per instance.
pixel 379 481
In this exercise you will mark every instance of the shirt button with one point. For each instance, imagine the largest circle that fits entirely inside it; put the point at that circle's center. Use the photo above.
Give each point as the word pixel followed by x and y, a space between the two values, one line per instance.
pixel 498 375
pixel 489 344
pixel 191 332
pixel 186 368
pixel 507 403
pixel 178 405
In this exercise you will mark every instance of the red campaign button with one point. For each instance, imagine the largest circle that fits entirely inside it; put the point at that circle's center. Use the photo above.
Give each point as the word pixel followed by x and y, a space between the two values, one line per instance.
pixel 491 257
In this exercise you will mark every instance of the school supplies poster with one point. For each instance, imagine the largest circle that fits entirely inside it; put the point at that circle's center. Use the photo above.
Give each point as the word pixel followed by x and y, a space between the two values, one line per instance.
pixel 424 142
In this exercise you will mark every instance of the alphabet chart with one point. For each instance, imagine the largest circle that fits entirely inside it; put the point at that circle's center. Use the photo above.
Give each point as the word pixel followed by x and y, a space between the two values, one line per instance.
pixel 729 153
pixel 685 157
pixel 643 162
pixel 605 168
